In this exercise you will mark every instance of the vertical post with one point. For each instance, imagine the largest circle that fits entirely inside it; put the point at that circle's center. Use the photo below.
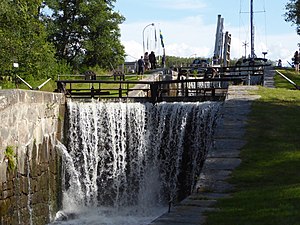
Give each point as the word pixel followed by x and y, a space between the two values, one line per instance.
pixel 186 89
pixel 92 91
pixel 252 29
pixel 154 92
pixel 249 78
pixel 263 76
pixel 15 65
pixel 120 90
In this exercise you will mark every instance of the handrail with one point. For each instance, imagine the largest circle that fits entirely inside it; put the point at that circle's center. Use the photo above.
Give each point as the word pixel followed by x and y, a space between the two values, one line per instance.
pixel 154 91
pixel 151 82
pixel 289 80
pixel 184 84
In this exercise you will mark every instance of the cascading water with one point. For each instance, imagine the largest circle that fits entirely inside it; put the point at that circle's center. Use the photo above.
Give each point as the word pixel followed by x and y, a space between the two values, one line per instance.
pixel 125 161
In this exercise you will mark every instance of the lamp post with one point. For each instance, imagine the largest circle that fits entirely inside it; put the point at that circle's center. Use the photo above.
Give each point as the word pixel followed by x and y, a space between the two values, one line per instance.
pixel 151 24
pixel 195 55
pixel 264 53
pixel 16 66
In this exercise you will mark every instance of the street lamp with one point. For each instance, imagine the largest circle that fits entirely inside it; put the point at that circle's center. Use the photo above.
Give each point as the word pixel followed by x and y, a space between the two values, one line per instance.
pixel 151 24
pixel 195 55
pixel 16 66
pixel 264 53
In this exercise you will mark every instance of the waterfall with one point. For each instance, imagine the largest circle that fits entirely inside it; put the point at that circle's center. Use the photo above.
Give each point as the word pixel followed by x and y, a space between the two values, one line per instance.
pixel 133 156
pixel 29 200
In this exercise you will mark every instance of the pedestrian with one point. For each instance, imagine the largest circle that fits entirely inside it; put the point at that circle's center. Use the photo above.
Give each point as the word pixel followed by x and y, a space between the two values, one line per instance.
pixel 152 60
pixel 141 65
pixel 163 61
pixel 146 60
pixel 296 61
pixel 279 63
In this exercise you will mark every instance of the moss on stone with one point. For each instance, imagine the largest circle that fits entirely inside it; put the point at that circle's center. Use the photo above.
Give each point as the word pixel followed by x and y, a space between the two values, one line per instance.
pixel 10 156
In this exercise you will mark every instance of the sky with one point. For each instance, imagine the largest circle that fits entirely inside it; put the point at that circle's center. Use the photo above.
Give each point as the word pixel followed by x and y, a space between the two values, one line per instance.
pixel 189 27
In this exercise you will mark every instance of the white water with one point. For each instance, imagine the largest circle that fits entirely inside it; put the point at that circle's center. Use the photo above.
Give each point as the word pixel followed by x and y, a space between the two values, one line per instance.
pixel 124 161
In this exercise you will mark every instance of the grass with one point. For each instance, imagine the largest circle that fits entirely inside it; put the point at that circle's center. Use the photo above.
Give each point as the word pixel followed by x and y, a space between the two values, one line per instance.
pixel 268 180
pixel 51 85
pixel 290 73
pixel 113 88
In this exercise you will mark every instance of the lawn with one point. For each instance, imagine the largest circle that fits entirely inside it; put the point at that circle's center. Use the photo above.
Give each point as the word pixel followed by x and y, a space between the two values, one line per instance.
pixel 268 180
pixel 51 85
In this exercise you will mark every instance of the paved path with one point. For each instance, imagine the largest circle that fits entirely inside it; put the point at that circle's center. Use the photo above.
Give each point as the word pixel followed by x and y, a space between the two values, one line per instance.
pixel 220 162
pixel 147 77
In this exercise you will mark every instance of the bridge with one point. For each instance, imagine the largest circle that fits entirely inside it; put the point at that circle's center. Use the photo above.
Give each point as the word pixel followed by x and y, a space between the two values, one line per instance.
pixel 180 85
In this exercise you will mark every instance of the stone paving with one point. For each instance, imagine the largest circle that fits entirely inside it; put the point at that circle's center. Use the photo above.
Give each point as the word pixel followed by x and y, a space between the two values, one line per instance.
pixel 269 77
pixel 220 162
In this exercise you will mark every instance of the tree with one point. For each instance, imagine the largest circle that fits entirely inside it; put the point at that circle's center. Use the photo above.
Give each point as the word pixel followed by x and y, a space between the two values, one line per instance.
pixel 293 13
pixel 85 32
pixel 23 39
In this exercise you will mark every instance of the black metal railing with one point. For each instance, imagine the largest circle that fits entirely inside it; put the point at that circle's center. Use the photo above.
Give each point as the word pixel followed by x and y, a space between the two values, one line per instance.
pixel 153 91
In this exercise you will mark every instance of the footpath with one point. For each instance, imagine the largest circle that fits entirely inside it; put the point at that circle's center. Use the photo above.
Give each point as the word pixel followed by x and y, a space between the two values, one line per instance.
pixel 222 159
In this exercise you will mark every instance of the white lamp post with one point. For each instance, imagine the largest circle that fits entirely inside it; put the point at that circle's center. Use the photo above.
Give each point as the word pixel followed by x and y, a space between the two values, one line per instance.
pixel 151 24
pixel 15 65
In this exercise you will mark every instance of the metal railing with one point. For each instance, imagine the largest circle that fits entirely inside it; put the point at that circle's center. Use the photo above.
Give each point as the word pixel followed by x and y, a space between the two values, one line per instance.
pixel 153 91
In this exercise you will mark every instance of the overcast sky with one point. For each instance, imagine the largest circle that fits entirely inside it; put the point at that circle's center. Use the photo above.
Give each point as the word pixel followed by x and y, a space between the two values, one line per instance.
pixel 189 27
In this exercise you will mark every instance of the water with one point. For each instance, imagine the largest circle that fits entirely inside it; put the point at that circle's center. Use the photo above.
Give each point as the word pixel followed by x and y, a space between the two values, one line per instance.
pixel 29 207
pixel 125 161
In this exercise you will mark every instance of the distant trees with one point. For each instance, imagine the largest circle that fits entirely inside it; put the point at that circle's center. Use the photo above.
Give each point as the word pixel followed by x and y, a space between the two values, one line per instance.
pixel 56 36
pixel 23 39
pixel 293 13
pixel 185 62
pixel 85 33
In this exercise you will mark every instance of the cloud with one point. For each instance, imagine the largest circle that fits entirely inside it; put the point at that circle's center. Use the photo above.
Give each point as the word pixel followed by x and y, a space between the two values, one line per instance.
pixel 182 4
pixel 133 50
pixel 191 35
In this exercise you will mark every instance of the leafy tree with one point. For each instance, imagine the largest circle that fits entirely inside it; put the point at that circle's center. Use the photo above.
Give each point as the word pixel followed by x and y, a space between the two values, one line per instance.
pixel 85 32
pixel 23 39
pixel 180 61
pixel 293 13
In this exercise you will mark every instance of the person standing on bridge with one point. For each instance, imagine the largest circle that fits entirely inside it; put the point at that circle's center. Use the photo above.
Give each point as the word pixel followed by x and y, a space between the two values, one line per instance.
pixel 296 61
pixel 141 65
pixel 152 60
pixel 146 60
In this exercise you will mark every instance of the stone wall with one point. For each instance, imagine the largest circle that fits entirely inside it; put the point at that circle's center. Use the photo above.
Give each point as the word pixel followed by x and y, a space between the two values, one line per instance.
pixel 30 130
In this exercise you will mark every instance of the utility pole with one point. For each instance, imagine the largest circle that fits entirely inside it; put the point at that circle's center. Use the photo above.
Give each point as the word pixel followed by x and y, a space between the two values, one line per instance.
pixel 252 29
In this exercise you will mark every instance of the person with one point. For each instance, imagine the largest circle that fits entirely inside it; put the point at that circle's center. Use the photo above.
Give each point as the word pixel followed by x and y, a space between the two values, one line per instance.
pixel 141 65
pixel 163 60
pixel 296 61
pixel 152 60
pixel 279 63
pixel 146 60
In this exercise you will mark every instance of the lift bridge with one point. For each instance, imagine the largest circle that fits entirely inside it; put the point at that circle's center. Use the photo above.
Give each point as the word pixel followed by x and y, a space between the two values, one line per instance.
pixel 162 85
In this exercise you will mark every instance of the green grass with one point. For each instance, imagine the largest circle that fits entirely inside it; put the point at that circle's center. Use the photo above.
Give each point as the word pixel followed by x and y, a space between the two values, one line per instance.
pixel 268 180
pixel 51 85
pixel 280 82
pixel 113 88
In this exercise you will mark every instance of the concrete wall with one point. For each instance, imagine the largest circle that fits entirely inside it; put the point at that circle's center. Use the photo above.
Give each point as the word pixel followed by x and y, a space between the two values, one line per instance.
pixel 30 124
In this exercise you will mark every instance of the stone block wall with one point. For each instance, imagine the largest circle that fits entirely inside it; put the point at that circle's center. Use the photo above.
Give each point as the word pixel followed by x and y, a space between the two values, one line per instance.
pixel 31 126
